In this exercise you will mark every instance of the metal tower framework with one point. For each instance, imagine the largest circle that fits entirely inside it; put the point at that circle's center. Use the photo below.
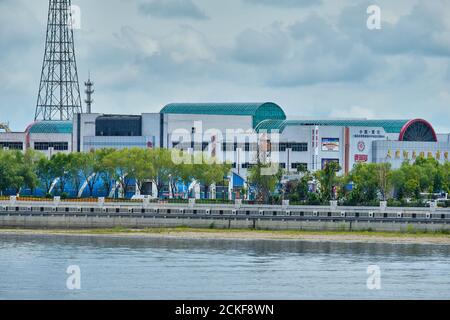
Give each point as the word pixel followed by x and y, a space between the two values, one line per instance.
pixel 59 90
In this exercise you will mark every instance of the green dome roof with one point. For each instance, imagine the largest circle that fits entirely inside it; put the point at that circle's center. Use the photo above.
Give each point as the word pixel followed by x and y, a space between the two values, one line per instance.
pixel 259 111
pixel 390 126
pixel 51 127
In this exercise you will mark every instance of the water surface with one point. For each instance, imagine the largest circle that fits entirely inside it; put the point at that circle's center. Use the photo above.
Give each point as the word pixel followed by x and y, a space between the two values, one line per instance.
pixel 34 267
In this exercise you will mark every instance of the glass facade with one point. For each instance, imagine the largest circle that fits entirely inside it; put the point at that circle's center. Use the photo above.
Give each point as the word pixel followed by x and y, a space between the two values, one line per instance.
pixel 118 126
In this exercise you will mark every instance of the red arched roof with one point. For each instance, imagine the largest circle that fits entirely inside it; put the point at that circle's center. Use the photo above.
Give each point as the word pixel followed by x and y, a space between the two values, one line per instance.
pixel 410 123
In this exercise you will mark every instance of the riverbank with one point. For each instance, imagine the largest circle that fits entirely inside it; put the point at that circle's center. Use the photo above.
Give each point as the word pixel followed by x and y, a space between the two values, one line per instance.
pixel 412 237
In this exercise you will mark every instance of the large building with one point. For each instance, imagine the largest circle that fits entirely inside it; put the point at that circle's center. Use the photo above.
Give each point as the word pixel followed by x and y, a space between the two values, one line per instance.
pixel 237 132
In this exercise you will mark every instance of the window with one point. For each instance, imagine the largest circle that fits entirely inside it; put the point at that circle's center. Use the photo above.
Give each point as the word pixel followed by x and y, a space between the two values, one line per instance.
pixel 248 165
pixel 299 147
pixel 11 145
pixel 297 166
pixel 229 146
pixel 118 126
pixel 57 146
pixel 295 147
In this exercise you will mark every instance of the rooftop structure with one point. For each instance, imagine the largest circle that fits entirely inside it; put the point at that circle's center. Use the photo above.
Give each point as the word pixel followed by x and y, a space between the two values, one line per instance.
pixel 259 111
pixel 408 130
pixel 50 127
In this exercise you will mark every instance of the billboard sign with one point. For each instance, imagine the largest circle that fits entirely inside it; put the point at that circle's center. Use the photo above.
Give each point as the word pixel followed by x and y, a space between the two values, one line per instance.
pixel 330 144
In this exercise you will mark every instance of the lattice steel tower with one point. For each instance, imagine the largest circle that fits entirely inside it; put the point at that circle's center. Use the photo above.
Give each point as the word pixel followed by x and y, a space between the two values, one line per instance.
pixel 59 90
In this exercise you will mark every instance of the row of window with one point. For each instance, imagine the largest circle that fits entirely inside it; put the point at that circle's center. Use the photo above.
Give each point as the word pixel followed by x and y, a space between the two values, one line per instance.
pixel 296 147
pixel 295 166
pixel 57 146
pixel 248 147
pixel 41 146
pixel 11 145
pixel 283 146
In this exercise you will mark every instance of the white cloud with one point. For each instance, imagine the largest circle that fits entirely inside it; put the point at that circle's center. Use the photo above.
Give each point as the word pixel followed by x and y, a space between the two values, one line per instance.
pixel 354 112
pixel 315 58
pixel 172 9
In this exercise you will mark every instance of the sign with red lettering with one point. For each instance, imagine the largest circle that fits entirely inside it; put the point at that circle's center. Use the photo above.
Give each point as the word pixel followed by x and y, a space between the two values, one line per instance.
pixel 361 158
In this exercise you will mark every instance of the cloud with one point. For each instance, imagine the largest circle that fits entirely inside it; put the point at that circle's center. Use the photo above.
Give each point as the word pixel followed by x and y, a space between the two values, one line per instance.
pixel 182 55
pixel 355 112
pixel 422 31
pixel 285 3
pixel 308 52
pixel 315 62
pixel 172 9
pixel 261 47
pixel 138 42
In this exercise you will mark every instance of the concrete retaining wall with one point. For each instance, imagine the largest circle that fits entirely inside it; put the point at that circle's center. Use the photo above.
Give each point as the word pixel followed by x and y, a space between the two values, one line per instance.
pixel 68 222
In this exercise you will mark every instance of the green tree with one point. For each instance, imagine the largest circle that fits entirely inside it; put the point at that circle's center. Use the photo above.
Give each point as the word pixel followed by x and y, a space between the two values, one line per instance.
pixel 74 165
pixel 265 185
pixel 8 170
pixel 120 164
pixel 106 169
pixel 60 169
pixel 184 173
pixel 141 166
pixel 209 172
pixel 384 179
pixel 303 185
pixel 28 163
pixel 90 168
pixel 44 173
pixel 328 180
pixel 365 184
pixel 163 166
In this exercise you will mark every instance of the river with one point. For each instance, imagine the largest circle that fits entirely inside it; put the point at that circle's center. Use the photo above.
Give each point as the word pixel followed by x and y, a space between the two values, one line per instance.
pixel 34 267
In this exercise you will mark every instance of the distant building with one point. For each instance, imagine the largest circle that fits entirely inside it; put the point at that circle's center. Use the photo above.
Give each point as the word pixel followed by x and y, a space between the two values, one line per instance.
pixel 239 133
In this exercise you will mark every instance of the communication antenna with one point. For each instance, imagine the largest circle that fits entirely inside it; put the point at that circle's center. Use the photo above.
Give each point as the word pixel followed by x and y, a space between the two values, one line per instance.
pixel 89 91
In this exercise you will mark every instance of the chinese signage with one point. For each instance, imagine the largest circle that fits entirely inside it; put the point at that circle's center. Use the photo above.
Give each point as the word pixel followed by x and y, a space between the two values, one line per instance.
pixel 361 158
pixel 407 155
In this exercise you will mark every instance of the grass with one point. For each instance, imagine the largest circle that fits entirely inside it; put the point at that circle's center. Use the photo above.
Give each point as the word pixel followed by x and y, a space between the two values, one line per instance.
pixel 410 232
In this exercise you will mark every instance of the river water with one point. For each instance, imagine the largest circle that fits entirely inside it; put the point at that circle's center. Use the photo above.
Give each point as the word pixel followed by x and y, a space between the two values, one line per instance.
pixel 34 267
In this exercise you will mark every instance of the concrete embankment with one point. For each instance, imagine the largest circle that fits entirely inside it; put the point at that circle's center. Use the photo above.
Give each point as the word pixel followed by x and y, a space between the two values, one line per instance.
pixel 99 222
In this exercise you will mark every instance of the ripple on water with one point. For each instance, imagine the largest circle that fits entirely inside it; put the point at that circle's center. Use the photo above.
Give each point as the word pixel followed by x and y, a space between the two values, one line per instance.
pixel 33 267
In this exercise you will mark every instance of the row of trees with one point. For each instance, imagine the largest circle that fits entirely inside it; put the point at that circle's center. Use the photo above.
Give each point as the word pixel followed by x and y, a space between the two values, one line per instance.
pixel 365 184
pixel 106 166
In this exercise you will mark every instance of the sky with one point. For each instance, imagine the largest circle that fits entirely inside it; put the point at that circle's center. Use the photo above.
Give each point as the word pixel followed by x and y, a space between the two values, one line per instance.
pixel 315 58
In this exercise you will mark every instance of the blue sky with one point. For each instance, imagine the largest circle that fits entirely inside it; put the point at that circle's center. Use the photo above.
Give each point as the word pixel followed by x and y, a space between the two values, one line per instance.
pixel 316 58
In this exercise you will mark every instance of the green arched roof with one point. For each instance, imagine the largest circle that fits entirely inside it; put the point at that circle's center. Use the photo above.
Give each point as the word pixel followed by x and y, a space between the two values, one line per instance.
pixel 390 126
pixel 259 111
pixel 51 127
